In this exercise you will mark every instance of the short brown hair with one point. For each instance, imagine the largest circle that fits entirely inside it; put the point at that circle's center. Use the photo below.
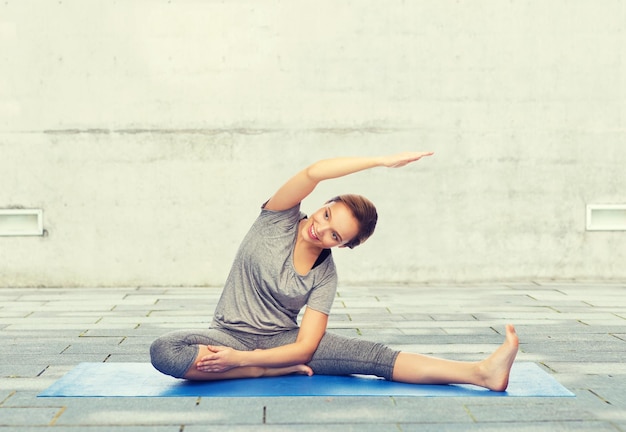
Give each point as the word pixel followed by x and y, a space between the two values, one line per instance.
pixel 364 212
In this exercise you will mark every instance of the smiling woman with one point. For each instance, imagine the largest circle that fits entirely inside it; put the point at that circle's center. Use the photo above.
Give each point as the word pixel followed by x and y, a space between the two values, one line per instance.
pixel 365 213
pixel 285 264
pixel 333 225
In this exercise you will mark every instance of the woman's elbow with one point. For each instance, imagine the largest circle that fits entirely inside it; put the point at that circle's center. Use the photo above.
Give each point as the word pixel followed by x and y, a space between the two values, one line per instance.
pixel 313 173
pixel 305 354
pixel 306 358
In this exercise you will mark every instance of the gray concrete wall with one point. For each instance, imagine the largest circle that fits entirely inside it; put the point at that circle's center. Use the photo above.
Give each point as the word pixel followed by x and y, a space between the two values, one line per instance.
pixel 150 131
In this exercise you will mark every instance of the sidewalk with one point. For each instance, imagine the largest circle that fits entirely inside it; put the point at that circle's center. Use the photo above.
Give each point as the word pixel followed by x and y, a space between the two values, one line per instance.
pixel 576 331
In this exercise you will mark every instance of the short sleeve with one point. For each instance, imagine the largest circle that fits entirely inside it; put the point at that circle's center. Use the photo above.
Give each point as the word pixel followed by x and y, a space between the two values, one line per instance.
pixel 323 294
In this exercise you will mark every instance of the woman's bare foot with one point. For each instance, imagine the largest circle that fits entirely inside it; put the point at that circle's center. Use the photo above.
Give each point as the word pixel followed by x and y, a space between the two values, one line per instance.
pixel 288 370
pixel 302 370
pixel 299 370
pixel 494 370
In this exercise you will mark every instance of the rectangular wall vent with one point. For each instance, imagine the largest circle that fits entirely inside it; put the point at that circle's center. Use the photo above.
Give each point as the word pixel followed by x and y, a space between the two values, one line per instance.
pixel 609 217
pixel 21 222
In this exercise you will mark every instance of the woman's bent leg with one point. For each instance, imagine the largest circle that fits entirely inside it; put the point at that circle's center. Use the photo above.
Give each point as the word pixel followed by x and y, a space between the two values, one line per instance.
pixel 177 353
pixel 240 372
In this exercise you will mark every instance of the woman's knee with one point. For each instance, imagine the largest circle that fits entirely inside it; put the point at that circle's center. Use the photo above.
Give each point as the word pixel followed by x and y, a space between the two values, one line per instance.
pixel 172 355
pixel 338 355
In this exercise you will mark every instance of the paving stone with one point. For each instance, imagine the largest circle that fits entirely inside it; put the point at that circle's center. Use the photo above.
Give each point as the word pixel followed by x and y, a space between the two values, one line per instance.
pixel 434 331
pixel 155 411
pixel 107 345
pixel 135 357
pixel 528 411
pixel 517 426
pixel 21 399
pixel 56 371
pixel 594 348
pixel 82 428
pixel 359 411
pixel 588 368
pixel 607 357
pixel 21 306
pixel 612 392
pixel 33 384
pixel 18 370
pixel 314 427
pixel 28 416
pixel 107 332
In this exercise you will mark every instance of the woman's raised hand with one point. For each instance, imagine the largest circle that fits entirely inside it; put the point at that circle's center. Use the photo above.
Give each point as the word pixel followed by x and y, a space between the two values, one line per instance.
pixel 402 159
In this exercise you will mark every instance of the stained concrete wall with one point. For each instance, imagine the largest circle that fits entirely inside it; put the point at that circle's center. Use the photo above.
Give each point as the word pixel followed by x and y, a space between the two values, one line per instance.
pixel 150 131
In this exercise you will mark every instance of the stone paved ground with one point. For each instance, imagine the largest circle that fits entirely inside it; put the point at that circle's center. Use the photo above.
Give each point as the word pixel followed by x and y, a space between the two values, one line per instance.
pixel 576 331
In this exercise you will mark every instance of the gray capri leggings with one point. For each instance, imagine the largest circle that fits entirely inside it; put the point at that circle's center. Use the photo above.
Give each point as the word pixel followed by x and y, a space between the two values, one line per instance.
pixel 174 353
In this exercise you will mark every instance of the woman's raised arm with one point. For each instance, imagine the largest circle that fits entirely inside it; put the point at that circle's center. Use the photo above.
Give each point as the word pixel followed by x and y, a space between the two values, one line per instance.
pixel 303 183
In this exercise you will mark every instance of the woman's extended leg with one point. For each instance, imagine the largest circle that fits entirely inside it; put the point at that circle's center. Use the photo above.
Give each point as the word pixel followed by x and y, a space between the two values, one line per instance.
pixel 338 355
pixel 492 372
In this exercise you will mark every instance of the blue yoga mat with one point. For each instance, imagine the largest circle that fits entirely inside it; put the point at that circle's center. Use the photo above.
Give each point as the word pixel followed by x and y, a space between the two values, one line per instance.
pixel 142 380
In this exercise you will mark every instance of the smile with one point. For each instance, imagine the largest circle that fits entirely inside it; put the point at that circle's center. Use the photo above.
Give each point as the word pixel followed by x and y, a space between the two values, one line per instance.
pixel 312 233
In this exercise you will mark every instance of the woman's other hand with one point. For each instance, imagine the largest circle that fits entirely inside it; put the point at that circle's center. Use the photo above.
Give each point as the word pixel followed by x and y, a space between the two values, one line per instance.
pixel 402 159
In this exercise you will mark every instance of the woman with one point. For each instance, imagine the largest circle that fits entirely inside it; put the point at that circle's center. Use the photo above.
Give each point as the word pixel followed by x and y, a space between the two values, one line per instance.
pixel 284 264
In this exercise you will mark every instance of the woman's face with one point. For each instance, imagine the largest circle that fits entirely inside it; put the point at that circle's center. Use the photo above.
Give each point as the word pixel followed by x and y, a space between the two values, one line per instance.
pixel 332 225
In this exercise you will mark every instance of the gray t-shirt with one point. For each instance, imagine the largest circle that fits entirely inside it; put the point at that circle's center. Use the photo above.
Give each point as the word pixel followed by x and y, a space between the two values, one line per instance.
pixel 264 293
